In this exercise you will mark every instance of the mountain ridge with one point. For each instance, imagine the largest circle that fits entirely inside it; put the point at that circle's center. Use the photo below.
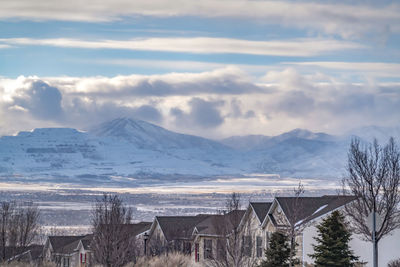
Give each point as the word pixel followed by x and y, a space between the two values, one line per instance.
pixel 128 148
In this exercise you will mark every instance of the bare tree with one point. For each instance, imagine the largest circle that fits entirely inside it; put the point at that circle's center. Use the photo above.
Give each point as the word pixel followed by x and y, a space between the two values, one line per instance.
pixel 6 211
pixel 295 227
pixel 234 241
pixel 18 226
pixel 113 245
pixel 27 219
pixel 374 178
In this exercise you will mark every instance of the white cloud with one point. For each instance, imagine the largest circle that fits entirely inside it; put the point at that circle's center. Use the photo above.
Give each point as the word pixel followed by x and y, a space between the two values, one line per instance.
pixel 344 19
pixel 202 45
pixel 215 104
pixel 376 69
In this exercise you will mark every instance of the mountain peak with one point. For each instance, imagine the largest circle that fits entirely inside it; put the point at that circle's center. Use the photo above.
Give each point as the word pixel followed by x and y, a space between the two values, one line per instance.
pixel 124 128
pixel 147 135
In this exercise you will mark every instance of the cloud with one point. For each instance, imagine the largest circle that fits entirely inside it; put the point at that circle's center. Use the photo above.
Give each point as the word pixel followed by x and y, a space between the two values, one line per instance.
pixel 295 104
pixel 86 113
pixel 202 114
pixel 376 69
pixel 147 113
pixel 301 47
pixel 345 19
pixel 41 100
pixel 237 110
pixel 212 104
pixel 228 80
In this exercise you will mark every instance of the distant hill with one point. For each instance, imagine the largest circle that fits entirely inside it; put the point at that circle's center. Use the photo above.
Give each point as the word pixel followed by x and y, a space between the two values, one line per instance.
pixel 134 152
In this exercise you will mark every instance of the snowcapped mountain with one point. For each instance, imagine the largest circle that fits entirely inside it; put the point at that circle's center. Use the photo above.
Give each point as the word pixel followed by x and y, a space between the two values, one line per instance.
pixel 262 142
pixel 149 136
pixel 134 152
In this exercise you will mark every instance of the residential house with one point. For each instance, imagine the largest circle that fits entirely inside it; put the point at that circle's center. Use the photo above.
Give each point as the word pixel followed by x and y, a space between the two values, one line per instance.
pixel 211 234
pixel 172 233
pixel 68 251
pixel 300 213
pixel 255 239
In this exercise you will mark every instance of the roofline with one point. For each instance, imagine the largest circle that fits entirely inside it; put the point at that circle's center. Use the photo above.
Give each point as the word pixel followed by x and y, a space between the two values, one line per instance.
pixel 326 213
pixel 142 233
pixel 251 204
pixel 195 230
pixel 50 245
pixel 245 215
pixel 156 220
pixel 276 199
pixel 77 247
pixel 264 223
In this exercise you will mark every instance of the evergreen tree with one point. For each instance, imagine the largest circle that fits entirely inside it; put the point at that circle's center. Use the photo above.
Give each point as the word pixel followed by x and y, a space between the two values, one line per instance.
pixel 332 247
pixel 278 252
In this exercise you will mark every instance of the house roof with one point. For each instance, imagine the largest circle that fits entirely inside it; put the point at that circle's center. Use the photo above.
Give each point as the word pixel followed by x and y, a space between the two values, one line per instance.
pixel 220 224
pixel 303 209
pixel 22 253
pixel 65 244
pixel 179 227
pixel 86 241
pixel 138 228
pixel 261 209
pixel 36 251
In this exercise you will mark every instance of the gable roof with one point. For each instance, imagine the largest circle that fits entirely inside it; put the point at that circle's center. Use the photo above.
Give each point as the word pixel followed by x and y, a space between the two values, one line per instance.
pixel 86 242
pixel 65 244
pixel 138 228
pixel 261 209
pixel 32 252
pixel 217 225
pixel 304 209
pixel 179 227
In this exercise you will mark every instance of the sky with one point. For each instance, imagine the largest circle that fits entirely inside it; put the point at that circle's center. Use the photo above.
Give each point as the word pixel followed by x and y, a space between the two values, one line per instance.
pixel 213 68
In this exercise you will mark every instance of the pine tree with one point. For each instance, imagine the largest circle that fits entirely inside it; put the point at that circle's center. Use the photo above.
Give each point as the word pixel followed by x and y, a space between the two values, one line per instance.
pixel 332 247
pixel 278 252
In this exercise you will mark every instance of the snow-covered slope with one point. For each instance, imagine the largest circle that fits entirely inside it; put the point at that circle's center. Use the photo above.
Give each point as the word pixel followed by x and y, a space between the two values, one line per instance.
pixel 136 152
pixel 382 134
pixel 146 135
pixel 116 150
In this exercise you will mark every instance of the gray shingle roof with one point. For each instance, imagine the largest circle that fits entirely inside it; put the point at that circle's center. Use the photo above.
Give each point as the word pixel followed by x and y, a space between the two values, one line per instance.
pixel 64 244
pixel 179 227
pixel 308 208
pixel 138 228
pixel 32 252
pixel 220 224
pixel 261 209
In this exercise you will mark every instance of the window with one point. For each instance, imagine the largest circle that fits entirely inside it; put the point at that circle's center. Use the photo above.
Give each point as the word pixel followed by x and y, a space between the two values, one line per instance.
pixel 207 248
pixel 259 246
pixel 247 245
pixel 196 252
